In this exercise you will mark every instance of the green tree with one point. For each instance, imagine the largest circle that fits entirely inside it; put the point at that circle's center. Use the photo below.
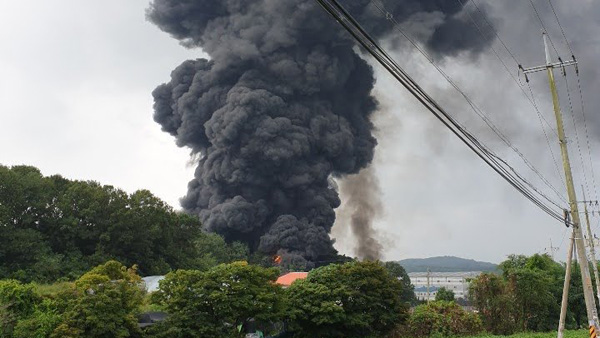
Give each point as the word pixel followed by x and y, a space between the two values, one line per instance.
pixel 212 250
pixel 52 227
pixel 408 290
pixel 220 302
pixel 356 299
pixel 104 303
pixel 491 295
pixel 444 294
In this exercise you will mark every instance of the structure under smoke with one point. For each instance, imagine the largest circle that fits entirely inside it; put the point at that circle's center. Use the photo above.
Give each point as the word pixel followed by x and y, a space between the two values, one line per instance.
pixel 283 105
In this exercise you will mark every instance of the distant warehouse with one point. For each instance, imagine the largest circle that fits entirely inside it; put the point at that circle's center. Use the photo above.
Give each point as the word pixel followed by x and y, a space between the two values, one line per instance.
pixel 457 282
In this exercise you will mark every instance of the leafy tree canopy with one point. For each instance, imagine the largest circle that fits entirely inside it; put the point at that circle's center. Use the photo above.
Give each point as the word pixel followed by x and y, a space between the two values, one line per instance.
pixel 220 302
pixel 53 228
pixel 444 294
pixel 355 299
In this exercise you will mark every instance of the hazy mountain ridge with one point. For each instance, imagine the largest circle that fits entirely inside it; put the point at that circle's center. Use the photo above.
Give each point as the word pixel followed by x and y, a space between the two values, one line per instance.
pixel 446 264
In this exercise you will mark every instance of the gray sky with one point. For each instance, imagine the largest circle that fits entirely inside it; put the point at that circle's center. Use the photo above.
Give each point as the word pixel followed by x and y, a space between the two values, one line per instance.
pixel 75 99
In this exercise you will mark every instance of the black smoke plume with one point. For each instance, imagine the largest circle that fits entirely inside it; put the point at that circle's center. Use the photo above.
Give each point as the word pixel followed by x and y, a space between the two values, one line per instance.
pixel 282 106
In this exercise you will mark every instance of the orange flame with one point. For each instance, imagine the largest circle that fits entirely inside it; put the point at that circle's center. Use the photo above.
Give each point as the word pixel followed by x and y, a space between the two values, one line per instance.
pixel 277 259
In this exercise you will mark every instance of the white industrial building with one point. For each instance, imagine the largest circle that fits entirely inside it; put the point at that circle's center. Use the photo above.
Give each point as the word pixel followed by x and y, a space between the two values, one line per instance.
pixel 428 283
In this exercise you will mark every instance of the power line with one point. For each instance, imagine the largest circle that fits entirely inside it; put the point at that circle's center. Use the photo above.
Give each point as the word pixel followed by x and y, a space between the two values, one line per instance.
pixel 531 100
pixel 543 26
pixel 541 118
pixel 587 137
pixel 576 132
pixel 379 5
pixel 494 30
pixel 561 27
pixel 361 36
pixel 581 99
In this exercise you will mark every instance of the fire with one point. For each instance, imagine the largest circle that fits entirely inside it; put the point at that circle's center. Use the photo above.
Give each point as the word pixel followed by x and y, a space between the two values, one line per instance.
pixel 277 259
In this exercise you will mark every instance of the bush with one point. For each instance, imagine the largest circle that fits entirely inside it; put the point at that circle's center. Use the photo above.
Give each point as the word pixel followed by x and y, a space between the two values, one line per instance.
pixel 41 323
pixel 104 303
pixel 17 301
pixel 441 318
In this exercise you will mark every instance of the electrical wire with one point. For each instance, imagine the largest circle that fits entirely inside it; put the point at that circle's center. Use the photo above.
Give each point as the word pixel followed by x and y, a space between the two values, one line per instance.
pixel 585 180
pixel 363 38
pixel 561 27
pixel 562 30
pixel 587 137
pixel 544 27
pixel 541 117
pixel 531 100
pixel 379 5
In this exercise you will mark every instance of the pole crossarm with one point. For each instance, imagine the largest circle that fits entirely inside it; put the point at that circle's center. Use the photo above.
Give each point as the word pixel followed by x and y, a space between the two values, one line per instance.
pixel 560 64
pixel 549 66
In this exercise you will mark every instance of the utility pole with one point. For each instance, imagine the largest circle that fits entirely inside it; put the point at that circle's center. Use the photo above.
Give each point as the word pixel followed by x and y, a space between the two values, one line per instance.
pixel 588 292
pixel 565 294
pixel 428 274
pixel 591 244
pixel 552 249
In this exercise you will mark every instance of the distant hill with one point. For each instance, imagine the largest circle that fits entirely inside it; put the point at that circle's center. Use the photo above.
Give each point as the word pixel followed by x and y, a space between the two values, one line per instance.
pixel 446 264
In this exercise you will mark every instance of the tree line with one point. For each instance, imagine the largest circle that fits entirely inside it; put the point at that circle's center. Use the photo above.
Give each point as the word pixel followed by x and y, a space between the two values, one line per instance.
pixel 52 228
pixel 527 296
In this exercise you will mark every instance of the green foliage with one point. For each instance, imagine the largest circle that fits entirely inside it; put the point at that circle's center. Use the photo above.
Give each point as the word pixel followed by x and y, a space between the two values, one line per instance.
pixel 17 301
pixel 104 302
pixel 440 318
pixel 216 302
pixel 356 299
pixel 52 228
pixel 408 290
pixel 490 295
pixel 211 250
pixel 527 296
pixel 444 294
pixel 41 323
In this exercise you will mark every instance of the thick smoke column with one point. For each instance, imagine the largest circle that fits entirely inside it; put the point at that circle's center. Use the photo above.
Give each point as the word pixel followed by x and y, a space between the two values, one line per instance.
pixel 363 205
pixel 283 105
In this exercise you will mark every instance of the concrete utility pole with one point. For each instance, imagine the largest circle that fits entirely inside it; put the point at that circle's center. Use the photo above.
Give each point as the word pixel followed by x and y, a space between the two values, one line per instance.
pixel 428 273
pixel 591 244
pixel 588 291
pixel 565 294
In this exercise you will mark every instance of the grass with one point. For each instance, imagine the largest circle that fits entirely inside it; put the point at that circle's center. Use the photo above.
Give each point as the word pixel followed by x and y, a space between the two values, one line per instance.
pixel 52 289
pixel 568 334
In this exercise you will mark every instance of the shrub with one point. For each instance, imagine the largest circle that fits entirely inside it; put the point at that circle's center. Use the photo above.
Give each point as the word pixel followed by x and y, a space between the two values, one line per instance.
pixel 104 303
pixel 441 318
pixel 41 323
pixel 17 301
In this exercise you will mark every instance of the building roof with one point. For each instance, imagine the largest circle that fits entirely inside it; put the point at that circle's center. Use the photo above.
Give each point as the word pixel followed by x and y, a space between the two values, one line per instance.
pixel 432 274
pixel 288 279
